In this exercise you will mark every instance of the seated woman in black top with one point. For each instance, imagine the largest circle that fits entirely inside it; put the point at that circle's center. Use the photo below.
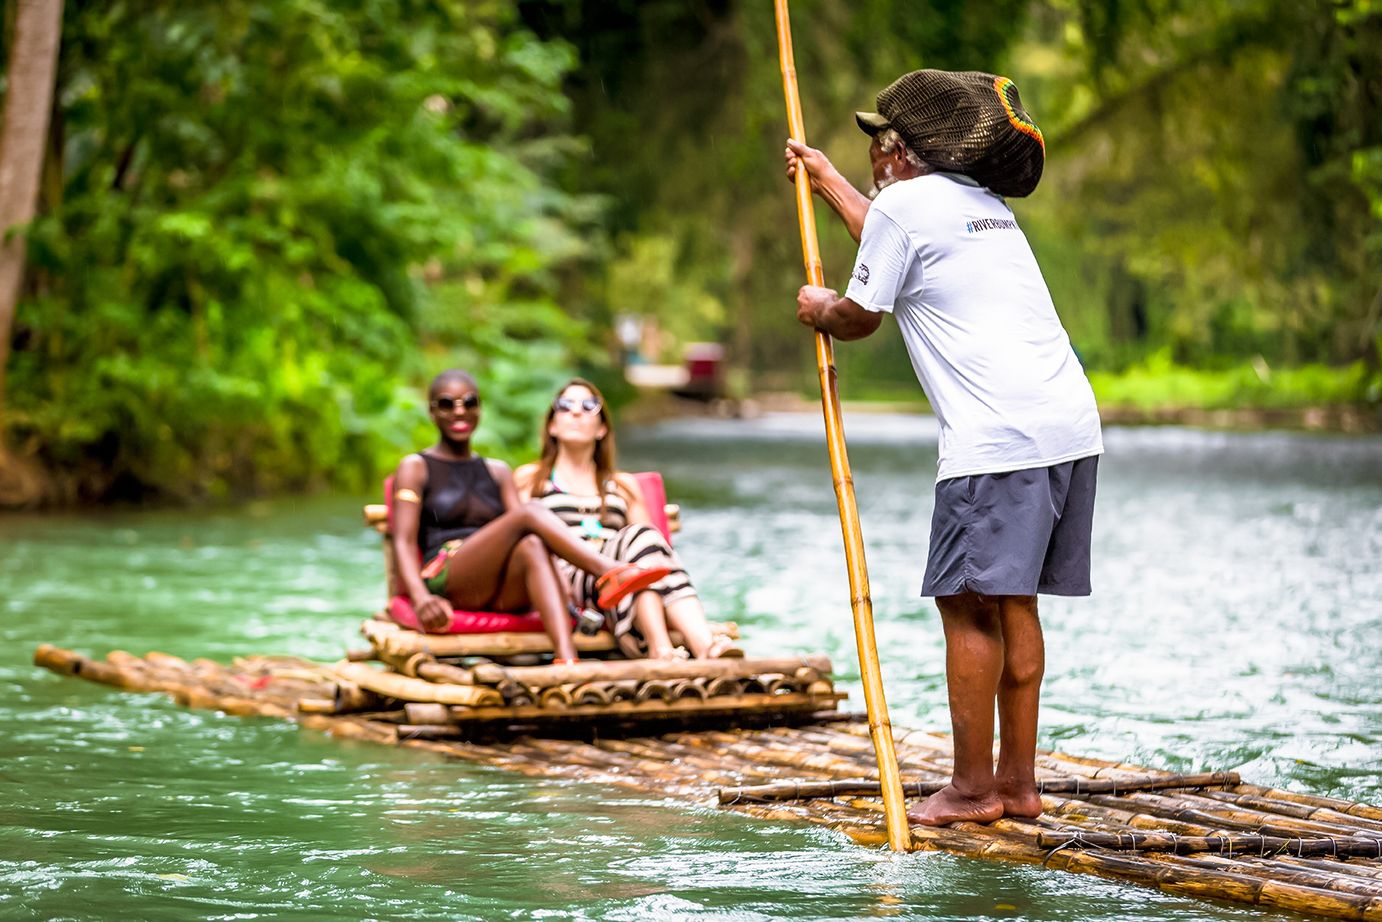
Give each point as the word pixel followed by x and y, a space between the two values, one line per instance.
pixel 463 539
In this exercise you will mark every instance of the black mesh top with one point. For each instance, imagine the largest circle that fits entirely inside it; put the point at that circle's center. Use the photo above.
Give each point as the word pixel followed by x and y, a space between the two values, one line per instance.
pixel 458 498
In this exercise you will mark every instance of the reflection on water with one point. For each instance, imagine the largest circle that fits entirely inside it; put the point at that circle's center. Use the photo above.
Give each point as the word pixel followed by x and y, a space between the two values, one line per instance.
pixel 1234 623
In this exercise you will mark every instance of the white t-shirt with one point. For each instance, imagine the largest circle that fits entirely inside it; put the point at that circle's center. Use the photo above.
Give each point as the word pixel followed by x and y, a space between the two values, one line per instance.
pixel 947 259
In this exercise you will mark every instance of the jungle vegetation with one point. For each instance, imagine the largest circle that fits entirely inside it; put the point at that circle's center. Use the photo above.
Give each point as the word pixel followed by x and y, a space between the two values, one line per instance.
pixel 260 226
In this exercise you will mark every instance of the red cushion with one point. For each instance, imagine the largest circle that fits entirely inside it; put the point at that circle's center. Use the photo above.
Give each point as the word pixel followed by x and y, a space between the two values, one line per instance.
pixel 468 622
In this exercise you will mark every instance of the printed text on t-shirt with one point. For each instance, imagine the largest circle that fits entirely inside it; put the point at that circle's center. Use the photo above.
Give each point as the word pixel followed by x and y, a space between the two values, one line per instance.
pixel 983 224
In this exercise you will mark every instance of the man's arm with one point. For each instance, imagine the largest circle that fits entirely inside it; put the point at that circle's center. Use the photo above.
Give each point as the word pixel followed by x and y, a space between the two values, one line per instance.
pixel 827 182
pixel 824 309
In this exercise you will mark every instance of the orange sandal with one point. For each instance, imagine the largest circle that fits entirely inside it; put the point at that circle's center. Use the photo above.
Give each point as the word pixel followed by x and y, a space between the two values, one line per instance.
pixel 624 580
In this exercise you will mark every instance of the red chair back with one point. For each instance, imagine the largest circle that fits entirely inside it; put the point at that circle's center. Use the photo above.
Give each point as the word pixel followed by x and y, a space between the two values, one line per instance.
pixel 655 498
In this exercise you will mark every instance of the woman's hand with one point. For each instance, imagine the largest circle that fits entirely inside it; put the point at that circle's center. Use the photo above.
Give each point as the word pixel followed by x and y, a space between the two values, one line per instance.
pixel 433 612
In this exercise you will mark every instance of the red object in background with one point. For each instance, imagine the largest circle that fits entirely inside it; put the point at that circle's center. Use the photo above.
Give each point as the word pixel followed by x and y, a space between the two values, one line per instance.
pixel 705 364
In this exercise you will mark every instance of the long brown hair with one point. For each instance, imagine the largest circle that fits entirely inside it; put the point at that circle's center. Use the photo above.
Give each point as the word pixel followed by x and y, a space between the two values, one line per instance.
pixel 604 446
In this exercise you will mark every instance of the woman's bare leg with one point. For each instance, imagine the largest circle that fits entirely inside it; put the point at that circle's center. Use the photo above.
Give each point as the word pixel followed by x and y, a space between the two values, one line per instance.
pixel 530 581
pixel 477 566
pixel 651 621
pixel 687 616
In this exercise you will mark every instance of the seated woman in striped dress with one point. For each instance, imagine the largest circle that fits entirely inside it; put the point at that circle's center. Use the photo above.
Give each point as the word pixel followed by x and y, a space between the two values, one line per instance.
pixel 463 539
pixel 576 479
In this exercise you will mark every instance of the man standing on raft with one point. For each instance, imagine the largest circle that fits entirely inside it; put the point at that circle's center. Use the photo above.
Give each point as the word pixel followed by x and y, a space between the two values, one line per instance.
pixel 1019 430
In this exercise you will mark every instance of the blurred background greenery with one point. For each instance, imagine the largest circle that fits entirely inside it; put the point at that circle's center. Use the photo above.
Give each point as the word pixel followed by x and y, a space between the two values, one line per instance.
pixel 263 224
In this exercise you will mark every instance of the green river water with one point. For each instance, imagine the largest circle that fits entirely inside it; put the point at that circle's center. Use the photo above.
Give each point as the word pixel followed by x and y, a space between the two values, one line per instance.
pixel 1235 625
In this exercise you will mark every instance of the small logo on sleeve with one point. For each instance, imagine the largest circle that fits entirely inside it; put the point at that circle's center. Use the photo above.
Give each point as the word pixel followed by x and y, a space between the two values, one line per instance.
pixel 861 272
pixel 988 224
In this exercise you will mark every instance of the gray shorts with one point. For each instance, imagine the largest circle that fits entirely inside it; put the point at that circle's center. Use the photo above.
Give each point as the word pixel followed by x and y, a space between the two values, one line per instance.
pixel 1017 533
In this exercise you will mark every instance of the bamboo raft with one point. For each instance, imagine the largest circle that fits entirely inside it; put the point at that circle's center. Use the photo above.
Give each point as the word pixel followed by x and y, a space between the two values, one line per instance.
pixel 1209 836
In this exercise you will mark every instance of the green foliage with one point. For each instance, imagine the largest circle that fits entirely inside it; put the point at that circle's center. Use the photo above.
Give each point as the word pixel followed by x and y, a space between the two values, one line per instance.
pixel 649 279
pixel 257 200
pixel 1211 163
pixel 266 224
pixel 683 104
pixel 1158 381
pixel 1213 184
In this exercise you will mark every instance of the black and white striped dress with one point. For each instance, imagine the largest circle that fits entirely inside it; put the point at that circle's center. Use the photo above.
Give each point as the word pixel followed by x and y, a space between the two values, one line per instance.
pixel 613 536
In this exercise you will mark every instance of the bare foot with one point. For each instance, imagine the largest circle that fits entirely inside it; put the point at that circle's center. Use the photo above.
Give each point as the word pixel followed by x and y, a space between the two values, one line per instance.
pixel 1020 800
pixel 722 647
pixel 950 806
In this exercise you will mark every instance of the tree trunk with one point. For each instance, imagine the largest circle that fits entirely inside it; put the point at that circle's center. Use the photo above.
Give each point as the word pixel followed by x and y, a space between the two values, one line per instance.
pixel 28 102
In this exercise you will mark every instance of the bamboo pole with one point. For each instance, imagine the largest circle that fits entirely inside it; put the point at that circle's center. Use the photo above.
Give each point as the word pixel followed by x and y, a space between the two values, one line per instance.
pixel 590 693
pixel 899 836
pixel 428 732
pixel 422 713
pixel 655 709
pixel 654 688
pixel 391 639
pixel 647 669
pixel 1261 846
pixel 800 790
pixel 393 685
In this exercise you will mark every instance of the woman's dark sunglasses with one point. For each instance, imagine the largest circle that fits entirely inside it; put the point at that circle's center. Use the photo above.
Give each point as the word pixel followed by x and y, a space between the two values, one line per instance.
pixel 449 404
pixel 569 404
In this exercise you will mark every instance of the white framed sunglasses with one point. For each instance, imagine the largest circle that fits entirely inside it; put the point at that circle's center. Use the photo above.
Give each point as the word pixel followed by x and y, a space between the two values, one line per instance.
pixel 569 404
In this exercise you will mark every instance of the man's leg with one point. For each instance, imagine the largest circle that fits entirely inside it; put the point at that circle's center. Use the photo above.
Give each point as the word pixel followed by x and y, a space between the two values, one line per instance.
pixel 1019 693
pixel 973 665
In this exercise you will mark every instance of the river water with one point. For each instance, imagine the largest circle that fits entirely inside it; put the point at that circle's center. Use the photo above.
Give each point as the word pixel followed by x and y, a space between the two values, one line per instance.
pixel 1235 625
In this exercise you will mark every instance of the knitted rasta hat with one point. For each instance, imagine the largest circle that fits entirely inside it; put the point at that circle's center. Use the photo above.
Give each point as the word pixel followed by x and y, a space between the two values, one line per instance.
pixel 964 122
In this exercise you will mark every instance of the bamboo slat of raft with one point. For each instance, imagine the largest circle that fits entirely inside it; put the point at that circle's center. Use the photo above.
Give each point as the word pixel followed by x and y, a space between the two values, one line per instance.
pixel 1231 819
pixel 1337 879
pixel 710 771
pixel 646 669
pixel 1247 845
pixel 691 765
pixel 857 787
pixel 1248 810
pixel 785 704
pixel 399 641
pixel 1308 810
pixel 393 685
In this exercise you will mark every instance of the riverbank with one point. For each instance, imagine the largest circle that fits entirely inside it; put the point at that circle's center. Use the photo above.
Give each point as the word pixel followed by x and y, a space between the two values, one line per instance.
pixel 1251 396
pixel 1346 419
